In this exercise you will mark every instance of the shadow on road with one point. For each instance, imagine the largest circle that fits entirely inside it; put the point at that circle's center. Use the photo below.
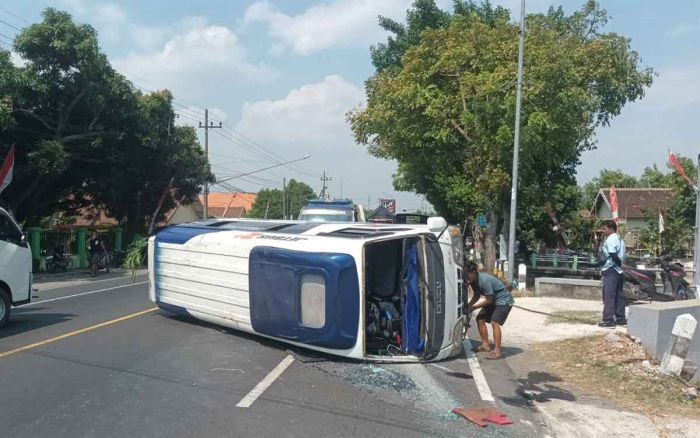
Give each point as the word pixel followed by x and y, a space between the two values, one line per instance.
pixel 23 320
pixel 538 386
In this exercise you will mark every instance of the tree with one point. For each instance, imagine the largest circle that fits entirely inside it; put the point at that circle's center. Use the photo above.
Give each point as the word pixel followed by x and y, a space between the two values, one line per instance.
pixel 67 98
pixel 679 216
pixel 84 136
pixel 445 109
pixel 607 179
pixel 268 203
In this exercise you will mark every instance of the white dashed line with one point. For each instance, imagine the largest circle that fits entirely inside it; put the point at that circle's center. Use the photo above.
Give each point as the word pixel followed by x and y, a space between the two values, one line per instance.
pixel 265 383
pixel 479 379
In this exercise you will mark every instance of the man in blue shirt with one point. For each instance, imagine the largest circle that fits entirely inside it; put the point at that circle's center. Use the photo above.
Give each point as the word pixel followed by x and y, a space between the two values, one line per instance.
pixel 495 303
pixel 612 256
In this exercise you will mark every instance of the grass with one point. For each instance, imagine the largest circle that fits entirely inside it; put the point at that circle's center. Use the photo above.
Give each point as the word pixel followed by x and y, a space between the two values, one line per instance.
pixel 574 317
pixel 522 293
pixel 601 368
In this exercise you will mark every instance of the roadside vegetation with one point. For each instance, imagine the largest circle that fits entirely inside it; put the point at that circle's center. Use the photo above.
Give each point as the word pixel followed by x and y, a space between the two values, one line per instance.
pixel 616 368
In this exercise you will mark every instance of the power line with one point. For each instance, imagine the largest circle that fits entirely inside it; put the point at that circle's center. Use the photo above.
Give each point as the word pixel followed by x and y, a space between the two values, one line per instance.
pixel 10 25
pixel 15 16
pixel 7 37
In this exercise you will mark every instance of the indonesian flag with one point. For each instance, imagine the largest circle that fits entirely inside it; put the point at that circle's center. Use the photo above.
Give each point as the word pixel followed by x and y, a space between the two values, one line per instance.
pixel 6 169
pixel 673 161
pixel 613 205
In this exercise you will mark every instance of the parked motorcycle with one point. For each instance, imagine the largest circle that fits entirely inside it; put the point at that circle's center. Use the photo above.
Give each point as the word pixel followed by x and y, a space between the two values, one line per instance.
pixel 640 284
pixel 57 260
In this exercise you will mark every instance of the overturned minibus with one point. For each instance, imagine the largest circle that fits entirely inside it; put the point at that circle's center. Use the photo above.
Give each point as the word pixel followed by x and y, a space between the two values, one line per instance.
pixel 365 291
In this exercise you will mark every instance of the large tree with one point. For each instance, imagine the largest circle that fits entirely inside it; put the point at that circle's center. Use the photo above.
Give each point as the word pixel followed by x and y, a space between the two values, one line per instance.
pixel 84 136
pixel 443 104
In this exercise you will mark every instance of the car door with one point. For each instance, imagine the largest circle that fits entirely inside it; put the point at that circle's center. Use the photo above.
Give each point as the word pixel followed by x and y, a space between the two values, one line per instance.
pixel 15 259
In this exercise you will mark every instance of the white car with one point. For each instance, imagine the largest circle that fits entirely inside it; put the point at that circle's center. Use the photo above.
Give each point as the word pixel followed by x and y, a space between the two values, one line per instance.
pixel 15 266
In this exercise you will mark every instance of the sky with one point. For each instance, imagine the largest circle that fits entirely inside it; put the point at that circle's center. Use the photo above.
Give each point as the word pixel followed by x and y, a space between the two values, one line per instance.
pixel 281 76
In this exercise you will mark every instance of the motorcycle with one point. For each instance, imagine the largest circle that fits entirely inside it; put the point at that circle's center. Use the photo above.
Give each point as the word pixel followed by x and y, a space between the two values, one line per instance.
pixel 58 260
pixel 640 284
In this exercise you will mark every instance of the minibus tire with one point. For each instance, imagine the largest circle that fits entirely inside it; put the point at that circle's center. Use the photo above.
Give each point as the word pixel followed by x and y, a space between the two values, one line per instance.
pixel 4 306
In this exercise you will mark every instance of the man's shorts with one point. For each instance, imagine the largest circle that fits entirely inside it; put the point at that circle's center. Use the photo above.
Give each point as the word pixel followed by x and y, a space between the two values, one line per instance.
pixel 495 312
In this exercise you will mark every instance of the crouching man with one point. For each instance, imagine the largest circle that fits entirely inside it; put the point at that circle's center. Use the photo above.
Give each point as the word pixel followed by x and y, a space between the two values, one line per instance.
pixel 495 303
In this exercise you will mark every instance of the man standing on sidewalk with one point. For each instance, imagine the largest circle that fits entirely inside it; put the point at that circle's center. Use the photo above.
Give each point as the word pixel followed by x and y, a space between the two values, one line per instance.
pixel 612 255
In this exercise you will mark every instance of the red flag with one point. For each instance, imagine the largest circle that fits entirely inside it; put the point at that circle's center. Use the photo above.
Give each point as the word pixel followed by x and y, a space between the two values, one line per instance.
pixel 6 169
pixel 613 205
pixel 673 161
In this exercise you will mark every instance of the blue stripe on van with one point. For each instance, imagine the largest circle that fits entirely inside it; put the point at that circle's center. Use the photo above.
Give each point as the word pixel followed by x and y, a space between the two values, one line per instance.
pixel 181 233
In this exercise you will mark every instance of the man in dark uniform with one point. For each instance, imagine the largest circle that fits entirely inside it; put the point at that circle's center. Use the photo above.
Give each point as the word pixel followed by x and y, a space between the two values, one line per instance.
pixel 97 250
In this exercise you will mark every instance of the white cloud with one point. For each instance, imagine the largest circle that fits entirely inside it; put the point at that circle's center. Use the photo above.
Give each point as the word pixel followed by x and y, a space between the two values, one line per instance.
pixel 16 59
pixel 676 87
pixel 685 28
pixel 147 37
pixel 108 18
pixel 202 55
pixel 339 22
pixel 312 115
pixel 311 120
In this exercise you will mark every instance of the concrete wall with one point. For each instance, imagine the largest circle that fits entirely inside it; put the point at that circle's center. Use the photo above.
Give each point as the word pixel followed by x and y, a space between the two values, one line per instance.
pixel 652 323
pixel 568 288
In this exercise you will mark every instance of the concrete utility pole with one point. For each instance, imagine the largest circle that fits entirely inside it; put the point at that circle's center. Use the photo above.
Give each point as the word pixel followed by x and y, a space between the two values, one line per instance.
pixel 207 126
pixel 324 191
pixel 516 148
pixel 284 198
pixel 696 253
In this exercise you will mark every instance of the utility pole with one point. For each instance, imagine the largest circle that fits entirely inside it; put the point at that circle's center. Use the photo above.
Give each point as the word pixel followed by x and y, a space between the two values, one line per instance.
pixel 324 191
pixel 516 148
pixel 207 126
pixel 284 198
pixel 696 254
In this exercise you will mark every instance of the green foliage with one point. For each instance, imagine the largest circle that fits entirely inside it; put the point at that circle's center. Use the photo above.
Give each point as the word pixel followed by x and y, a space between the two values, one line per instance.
pixel 84 135
pixel 268 203
pixel 443 104
pixel 135 254
pixel 606 179
pixel 679 217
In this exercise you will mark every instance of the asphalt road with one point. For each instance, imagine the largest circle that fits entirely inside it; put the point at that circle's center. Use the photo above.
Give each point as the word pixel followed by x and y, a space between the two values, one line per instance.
pixel 92 358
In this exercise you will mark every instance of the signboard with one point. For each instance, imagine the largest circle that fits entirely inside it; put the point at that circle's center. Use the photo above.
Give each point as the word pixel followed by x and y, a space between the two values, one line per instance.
pixel 481 220
pixel 389 204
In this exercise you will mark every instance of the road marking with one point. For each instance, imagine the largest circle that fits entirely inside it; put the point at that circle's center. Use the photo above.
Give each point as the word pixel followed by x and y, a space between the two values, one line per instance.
pixel 34 303
pixel 57 284
pixel 481 384
pixel 265 383
pixel 440 367
pixel 76 332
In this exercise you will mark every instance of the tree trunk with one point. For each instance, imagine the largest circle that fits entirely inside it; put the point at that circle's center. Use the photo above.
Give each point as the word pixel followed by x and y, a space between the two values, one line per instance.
pixel 490 235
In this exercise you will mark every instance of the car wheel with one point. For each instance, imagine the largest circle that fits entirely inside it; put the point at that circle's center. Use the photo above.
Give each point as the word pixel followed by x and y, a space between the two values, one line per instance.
pixel 4 307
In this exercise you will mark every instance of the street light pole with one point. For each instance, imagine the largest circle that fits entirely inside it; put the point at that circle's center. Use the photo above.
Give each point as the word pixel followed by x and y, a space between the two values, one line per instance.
pixel 696 253
pixel 516 148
